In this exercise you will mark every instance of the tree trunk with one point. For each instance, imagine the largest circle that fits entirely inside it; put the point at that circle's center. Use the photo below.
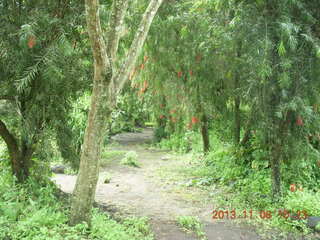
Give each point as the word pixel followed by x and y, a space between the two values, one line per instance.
pixel 20 157
pixel 205 133
pixel 237 120
pixel 84 192
pixel 13 150
pixel 237 117
pixel 135 49
pixel 203 123
pixel 247 134
pixel 106 85
pixel 276 171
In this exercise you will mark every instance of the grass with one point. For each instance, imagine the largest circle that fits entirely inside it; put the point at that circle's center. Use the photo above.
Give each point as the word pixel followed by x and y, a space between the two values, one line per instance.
pixel 191 224
pixel 33 212
pixel 230 184
pixel 108 156
pixel 150 124
pixel 180 173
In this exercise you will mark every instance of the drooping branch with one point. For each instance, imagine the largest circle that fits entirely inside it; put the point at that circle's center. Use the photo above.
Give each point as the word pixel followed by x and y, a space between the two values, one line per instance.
pixel 118 12
pixel 122 75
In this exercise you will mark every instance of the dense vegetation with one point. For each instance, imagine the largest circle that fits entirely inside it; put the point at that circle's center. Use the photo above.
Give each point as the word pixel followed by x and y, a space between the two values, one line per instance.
pixel 233 83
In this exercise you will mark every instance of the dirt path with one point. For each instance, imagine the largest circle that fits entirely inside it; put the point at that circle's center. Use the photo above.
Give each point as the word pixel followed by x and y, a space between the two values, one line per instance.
pixel 137 191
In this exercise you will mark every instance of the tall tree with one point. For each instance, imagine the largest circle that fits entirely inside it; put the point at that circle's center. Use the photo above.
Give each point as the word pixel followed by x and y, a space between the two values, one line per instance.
pixel 37 39
pixel 107 83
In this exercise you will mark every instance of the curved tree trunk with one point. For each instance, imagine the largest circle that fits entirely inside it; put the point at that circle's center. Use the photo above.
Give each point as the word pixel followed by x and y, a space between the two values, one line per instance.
pixel 20 156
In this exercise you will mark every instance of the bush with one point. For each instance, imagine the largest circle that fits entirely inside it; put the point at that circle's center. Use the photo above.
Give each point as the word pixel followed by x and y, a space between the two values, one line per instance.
pixel 305 200
pixel 131 112
pixel 32 212
pixel 182 142
pixel 131 159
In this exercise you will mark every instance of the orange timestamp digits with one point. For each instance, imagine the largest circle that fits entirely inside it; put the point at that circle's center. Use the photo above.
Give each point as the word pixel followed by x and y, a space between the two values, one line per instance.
pixel 262 214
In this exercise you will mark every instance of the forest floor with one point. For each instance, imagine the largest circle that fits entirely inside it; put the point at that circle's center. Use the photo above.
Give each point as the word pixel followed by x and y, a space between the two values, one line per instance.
pixel 152 190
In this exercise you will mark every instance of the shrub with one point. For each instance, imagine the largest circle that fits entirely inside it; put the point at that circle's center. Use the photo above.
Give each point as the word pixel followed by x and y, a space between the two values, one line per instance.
pixel 131 159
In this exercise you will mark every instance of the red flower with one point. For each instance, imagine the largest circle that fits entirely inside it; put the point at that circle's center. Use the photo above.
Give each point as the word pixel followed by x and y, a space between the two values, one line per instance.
pixel 194 120
pixel 179 74
pixel 299 121
pixel 31 41
pixel 293 187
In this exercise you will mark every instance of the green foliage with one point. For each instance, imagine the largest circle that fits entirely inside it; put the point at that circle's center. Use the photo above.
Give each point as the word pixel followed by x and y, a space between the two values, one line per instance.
pixel 243 178
pixel 32 211
pixel 159 133
pixel 70 133
pixel 191 224
pixel 305 200
pixel 139 226
pixel 182 142
pixel 131 159
pixel 45 45
pixel 108 156
pixel 130 114
pixel 131 228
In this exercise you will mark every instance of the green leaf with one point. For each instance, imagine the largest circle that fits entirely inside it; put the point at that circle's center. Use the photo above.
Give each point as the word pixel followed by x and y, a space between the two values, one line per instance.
pixel 318 52
pixel 281 49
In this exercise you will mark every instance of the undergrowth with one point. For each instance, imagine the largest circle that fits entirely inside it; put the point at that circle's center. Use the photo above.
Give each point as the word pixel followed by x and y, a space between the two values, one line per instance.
pixel 131 159
pixel 242 177
pixel 33 212
pixel 192 224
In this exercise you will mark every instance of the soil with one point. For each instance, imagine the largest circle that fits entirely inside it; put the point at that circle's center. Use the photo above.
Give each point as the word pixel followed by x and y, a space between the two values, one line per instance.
pixel 137 191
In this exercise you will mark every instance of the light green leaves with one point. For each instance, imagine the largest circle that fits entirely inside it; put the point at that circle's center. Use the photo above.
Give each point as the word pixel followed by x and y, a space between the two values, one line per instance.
pixel 281 49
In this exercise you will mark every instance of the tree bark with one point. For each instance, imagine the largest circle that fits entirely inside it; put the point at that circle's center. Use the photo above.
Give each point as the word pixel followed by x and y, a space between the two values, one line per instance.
pixel 247 134
pixel 20 157
pixel 13 148
pixel 203 123
pixel 118 12
pixel 84 192
pixel 106 85
pixel 237 120
pixel 205 133
pixel 135 49
pixel 276 171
